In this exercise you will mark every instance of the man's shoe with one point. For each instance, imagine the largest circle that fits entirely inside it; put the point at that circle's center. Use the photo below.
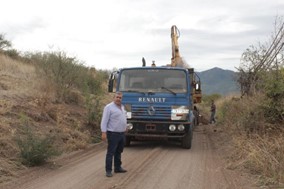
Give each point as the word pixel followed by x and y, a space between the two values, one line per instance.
pixel 120 170
pixel 108 174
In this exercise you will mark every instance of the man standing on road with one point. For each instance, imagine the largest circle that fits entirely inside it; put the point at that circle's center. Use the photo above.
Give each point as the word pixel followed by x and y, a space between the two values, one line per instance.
pixel 213 112
pixel 113 127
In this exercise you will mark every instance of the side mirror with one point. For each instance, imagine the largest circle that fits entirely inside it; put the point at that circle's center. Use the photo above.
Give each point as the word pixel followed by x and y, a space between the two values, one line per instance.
pixel 111 82
pixel 110 86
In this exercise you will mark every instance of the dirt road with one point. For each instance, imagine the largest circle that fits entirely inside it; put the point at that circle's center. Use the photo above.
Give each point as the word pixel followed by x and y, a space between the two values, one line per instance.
pixel 149 165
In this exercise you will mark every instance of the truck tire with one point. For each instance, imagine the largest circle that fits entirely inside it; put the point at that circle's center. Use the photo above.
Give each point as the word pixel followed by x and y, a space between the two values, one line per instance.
pixel 187 140
pixel 127 141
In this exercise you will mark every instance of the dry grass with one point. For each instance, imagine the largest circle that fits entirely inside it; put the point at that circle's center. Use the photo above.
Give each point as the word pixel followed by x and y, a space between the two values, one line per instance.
pixel 12 67
pixel 258 146
pixel 262 156
pixel 25 92
pixel 9 169
pixel 19 78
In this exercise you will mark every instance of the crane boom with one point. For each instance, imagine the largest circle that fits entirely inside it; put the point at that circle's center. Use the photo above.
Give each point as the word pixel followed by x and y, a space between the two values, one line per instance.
pixel 176 58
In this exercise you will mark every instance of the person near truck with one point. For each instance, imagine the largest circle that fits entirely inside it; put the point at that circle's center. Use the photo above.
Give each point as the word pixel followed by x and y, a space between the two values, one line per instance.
pixel 196 115
pixel 213 112
pixel 113 127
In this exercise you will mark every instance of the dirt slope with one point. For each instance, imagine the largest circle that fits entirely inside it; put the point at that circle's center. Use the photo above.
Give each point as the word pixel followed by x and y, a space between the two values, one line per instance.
pixel 150 165
pixel 28 100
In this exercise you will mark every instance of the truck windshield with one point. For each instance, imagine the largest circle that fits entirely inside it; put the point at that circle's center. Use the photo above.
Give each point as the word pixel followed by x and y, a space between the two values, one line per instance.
pixel 153 80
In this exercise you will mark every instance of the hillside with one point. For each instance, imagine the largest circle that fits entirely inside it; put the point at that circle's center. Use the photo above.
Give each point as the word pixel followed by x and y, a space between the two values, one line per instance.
pixel 28 102
pixel 218 81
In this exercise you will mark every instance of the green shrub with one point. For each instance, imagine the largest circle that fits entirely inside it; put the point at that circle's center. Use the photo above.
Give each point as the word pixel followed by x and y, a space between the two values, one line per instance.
pixel 67 74
pixel 35 150
pixel 273 105
pixel 93 107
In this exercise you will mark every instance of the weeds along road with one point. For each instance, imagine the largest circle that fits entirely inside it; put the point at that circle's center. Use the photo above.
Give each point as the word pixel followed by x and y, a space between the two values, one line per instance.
pixel 149 165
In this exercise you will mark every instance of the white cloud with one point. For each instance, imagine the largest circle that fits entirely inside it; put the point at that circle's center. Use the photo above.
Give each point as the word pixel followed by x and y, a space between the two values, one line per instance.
pixel 118 33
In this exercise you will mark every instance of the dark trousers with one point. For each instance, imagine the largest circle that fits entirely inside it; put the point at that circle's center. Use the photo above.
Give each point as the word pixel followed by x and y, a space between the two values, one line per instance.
pixel 212 117
pixel 115 148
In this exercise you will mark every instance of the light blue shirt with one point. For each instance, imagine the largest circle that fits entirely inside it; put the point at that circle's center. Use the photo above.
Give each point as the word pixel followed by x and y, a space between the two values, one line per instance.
pixel 114 118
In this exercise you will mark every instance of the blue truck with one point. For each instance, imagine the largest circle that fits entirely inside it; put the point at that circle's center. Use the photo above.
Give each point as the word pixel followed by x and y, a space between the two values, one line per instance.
pixel 159 100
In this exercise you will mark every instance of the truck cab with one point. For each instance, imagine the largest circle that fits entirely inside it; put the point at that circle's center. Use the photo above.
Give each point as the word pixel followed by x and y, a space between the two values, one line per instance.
pixel 159 102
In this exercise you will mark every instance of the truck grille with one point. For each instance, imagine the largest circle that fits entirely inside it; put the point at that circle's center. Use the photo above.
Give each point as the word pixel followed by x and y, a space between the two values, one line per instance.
pixel 151 112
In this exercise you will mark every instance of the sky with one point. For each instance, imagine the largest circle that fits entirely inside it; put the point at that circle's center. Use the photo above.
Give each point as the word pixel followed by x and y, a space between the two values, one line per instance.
pixel 112 34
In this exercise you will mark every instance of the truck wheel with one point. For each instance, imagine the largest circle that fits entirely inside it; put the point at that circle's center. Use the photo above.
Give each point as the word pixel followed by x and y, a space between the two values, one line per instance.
pixel 187 140
pixel 127 141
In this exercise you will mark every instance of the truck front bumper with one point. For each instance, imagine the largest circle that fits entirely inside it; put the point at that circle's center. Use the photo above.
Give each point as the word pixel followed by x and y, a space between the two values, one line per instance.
pixel 158 129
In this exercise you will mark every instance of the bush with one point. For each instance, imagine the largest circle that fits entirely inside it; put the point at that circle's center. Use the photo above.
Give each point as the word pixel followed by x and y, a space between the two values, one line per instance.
pixel 67 74
pixel 273 105
pixel 258 144
pixel 35 149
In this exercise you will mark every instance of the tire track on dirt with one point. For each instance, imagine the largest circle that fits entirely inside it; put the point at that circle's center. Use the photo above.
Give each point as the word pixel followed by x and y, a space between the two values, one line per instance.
pixel 150 165
pixel 139 165
pixel 56 165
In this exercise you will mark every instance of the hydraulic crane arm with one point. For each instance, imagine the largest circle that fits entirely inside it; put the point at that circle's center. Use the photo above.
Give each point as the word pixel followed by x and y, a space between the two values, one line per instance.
pixel 176 59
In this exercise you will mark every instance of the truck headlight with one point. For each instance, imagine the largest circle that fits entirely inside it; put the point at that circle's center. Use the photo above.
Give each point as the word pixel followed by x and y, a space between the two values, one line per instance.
pixel 129 126
pixel 179 113
pixel 181 127
pixel 172 127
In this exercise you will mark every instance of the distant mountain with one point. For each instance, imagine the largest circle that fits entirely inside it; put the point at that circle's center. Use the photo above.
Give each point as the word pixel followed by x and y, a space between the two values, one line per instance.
pixel 218 81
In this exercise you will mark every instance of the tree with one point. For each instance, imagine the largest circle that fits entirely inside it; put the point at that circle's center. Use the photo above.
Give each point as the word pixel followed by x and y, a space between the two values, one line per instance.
pixel 257 61
pixel 4 43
